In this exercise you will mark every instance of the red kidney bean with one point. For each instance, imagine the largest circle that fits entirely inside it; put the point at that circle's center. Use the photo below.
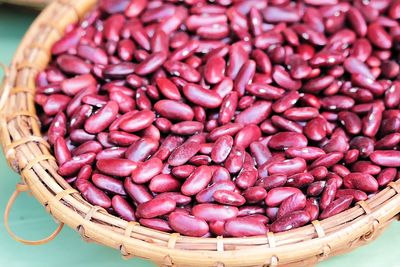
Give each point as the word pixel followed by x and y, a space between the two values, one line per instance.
pixel 246 178
pixel 156 224
pixel 139 193
pixel 245 226
pixel 328 195
pixel 122 208
pixel 361 181
pixel 272 181
pixel 87 147
pixel 116 167
pixel 102 119
pixel 108 184
pixel 366 167
pixel 214 212
pixel 386 176
pixel 337 206
pixel 254 194
pixel 111 153
pixel 221 149
pixel 316 188
pixel 92 194
pixel 285 102
pixel 327 160
pixel 155 207
pixel 141 149
pixel 290 221
pixel 378 36
pixel 276 195
pixel 174 110
pixel 247 135
pixel 295 202
pixel 147 170
pixel 312 208
pixel 183 153
pixel 358 195
pixel 227 197
pixel 254 114
pixel 388 142
pixel 307 153
pixel 187 224
pixel 162 183
pixel 197 181
pixel 285 140
pixel 73 165
pixel 387 158
pixel 61 151
pixel 299 180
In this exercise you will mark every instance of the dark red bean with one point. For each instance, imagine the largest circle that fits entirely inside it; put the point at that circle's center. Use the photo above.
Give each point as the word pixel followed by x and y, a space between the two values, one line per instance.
pixel 245 226
pixel 155 207
pixel 290 221
pixel 139 193
pixel 337 206
pixel 116 167
pixel 187 224
pixel 361 181
pixel 197 181
pixel 92 194
pixel 214 212
pixel 108 183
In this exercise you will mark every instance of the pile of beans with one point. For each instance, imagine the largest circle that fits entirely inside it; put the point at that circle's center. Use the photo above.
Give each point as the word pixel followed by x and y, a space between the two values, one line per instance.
pixel 226 117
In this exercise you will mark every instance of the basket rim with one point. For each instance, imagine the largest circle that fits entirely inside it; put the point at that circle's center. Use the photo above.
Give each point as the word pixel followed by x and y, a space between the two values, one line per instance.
pixel 28 154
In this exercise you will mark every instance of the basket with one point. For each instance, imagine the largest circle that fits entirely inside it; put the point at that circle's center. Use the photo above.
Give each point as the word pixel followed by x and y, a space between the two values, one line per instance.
pixel 28 154
pixel 29 3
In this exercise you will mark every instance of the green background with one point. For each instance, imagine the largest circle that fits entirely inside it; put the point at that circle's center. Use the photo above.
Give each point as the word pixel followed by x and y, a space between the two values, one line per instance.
pixel 29 219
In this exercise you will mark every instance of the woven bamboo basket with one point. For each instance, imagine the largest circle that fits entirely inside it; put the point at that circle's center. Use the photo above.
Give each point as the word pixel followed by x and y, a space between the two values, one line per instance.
pixel 29 155
pixel 29 3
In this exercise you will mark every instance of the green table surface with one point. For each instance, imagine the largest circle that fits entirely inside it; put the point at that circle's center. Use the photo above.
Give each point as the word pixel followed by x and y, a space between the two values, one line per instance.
pixel 30 220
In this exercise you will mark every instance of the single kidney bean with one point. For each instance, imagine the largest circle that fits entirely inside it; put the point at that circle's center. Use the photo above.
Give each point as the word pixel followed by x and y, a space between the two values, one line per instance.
pixel 246 178
pixel 139 193
pixel 92 194
pixel 174 110
pixel 214 212
pixel 156 224
pixel 328 195
pixel 300 180
pixel 386 176
pixel 61 151
pixel 111 153
pixel 162 183
pixel 73 165
pixel 307 153
pixel 197 181
pixel 108 183
pixel 297 201
pixel 245 226
pixel 276 195
pixel 272 181
pixel 254 194
pixel 285 140
pixel 316 188
pixel 141 149
pixel 122 208
pixel 183 153
pixel 358 195
pixel 337 206
pixel 116 167
pixel 187 224
pixel 155 207
pixel 290 221
pixel 221 149
pixel 102 119
pixel 387 158
pixel 228 197
pixel 362 181
pixel 288 167
pixel 365 167
pixel 247 135
pixel 312 208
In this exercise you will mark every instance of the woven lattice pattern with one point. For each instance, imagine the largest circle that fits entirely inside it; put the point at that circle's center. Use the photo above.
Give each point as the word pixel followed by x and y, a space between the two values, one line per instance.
pixel 28 154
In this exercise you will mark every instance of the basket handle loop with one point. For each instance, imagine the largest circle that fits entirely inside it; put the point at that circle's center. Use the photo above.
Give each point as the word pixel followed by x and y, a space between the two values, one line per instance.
pixel 20 187
pixel 3 91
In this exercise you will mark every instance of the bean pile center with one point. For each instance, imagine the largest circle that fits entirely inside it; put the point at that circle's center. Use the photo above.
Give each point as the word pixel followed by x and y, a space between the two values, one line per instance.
pixel 226 117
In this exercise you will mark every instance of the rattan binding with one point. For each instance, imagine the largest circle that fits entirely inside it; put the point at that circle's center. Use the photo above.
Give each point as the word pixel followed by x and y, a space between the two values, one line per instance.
pixel 29 155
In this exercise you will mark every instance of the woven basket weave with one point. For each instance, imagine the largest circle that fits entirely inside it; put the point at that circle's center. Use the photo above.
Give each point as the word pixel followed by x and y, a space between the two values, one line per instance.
pixel 28 154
